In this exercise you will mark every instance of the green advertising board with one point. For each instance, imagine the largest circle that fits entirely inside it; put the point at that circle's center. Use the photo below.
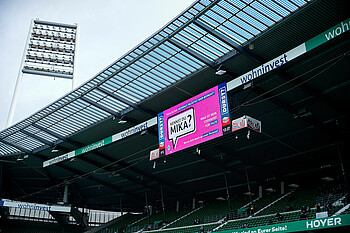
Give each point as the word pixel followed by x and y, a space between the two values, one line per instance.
pixel 305 225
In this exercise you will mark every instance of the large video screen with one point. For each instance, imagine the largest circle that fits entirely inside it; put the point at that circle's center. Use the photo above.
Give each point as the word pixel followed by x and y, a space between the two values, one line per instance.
pixel 194 121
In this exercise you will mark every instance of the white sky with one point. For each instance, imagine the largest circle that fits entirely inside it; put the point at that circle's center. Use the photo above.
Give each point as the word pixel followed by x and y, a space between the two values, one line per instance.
pixel 108 29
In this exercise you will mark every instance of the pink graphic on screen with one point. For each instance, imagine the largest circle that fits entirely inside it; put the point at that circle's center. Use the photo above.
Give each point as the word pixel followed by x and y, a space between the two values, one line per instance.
pixel 192 122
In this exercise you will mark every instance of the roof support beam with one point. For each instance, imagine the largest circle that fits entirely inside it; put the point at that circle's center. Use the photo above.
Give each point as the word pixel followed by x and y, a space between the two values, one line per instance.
pixel 17 147
pixel 74 171
pixel 37 137
pixel 192 53
pixel 120 163
pixel 97 105
pixel 228 41
pixel 278 102
pixel 114 113
pixel 125 101
pixel 92 178
pixel 111 160
pixel 56 135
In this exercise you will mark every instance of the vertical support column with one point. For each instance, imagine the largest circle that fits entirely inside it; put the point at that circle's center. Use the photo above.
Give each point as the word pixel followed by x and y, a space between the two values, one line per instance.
pixel 121 210
pixel 260 191
pixel 193 203
pixel 19 80
pixel 227 193
pixel 147 208
pixel 65 194
pixel 346 184
pixel 282 188
pixel 249 189
pixel 163 205
pixel 177 206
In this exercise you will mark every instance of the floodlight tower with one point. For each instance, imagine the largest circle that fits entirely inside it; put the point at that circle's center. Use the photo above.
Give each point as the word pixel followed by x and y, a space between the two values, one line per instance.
pixel 50 50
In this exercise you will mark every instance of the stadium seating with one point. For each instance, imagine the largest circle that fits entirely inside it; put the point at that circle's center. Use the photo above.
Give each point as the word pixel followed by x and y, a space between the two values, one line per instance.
pixel 128 220
pixel 214 214
pixel 190 229
pixel 210 212
pixel 296 199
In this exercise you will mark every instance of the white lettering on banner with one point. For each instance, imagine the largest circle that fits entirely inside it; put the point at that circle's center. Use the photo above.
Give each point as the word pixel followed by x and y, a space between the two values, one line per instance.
pixel 161 127
pixel 224 107
pixel 34 206
pixel 154 154
pixel 134 130
pixel 138 128
pixel 337 31
pixel 59 159
pixel 279 228
pixel 266 67
pixel 93 146
pixel 323 222
pixel 181 125
pixel 253 124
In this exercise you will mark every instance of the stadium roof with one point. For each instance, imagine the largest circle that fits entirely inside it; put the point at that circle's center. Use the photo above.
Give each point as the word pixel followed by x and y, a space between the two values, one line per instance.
pixel 174 53
pixel 302 109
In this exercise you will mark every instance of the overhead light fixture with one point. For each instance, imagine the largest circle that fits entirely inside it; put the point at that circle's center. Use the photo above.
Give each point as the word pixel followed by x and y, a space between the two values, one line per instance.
pixel 54 149
pixel 303 112
pixel 198 151
pixel 72 160
pixel 293 185
pixel 248 85
pixel 220 71
pixel 270 190
pixel 248 193
pixel 154 165
pixel 251 46
pixel 121 121
pixel 145 132
pixel 220 199
pixel 21 158
pixel 113 173
pixel 327 178
pixel 248 134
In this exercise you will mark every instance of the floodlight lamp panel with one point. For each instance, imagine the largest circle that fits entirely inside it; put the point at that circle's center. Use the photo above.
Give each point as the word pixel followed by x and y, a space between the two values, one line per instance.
pixel 220 72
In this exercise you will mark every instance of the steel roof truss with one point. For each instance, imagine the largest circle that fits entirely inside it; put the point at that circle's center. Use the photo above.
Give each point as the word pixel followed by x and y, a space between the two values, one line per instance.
pixel 125 101
pixel 229 41
pixel 192 53
pixel 37 138
pixel 101 107
pixel 16 146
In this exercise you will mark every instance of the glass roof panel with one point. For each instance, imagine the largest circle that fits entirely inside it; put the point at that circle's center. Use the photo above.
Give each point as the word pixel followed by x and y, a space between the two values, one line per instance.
pixel 156 64
pixel 252 20
pixel 262 18
pixel 267 11
pixel 275 7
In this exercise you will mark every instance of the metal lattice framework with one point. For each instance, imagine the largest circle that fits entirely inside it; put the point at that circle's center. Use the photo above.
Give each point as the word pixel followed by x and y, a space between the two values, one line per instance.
pixel 205 35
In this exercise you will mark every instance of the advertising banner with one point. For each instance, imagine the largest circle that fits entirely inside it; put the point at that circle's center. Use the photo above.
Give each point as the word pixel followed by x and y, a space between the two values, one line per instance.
pixel 305 225
pixel 318 40
pixel 106 141
pixel 154 154
pixel 34 206
pixel 239 123
pixel 194 121
pixel 246 122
